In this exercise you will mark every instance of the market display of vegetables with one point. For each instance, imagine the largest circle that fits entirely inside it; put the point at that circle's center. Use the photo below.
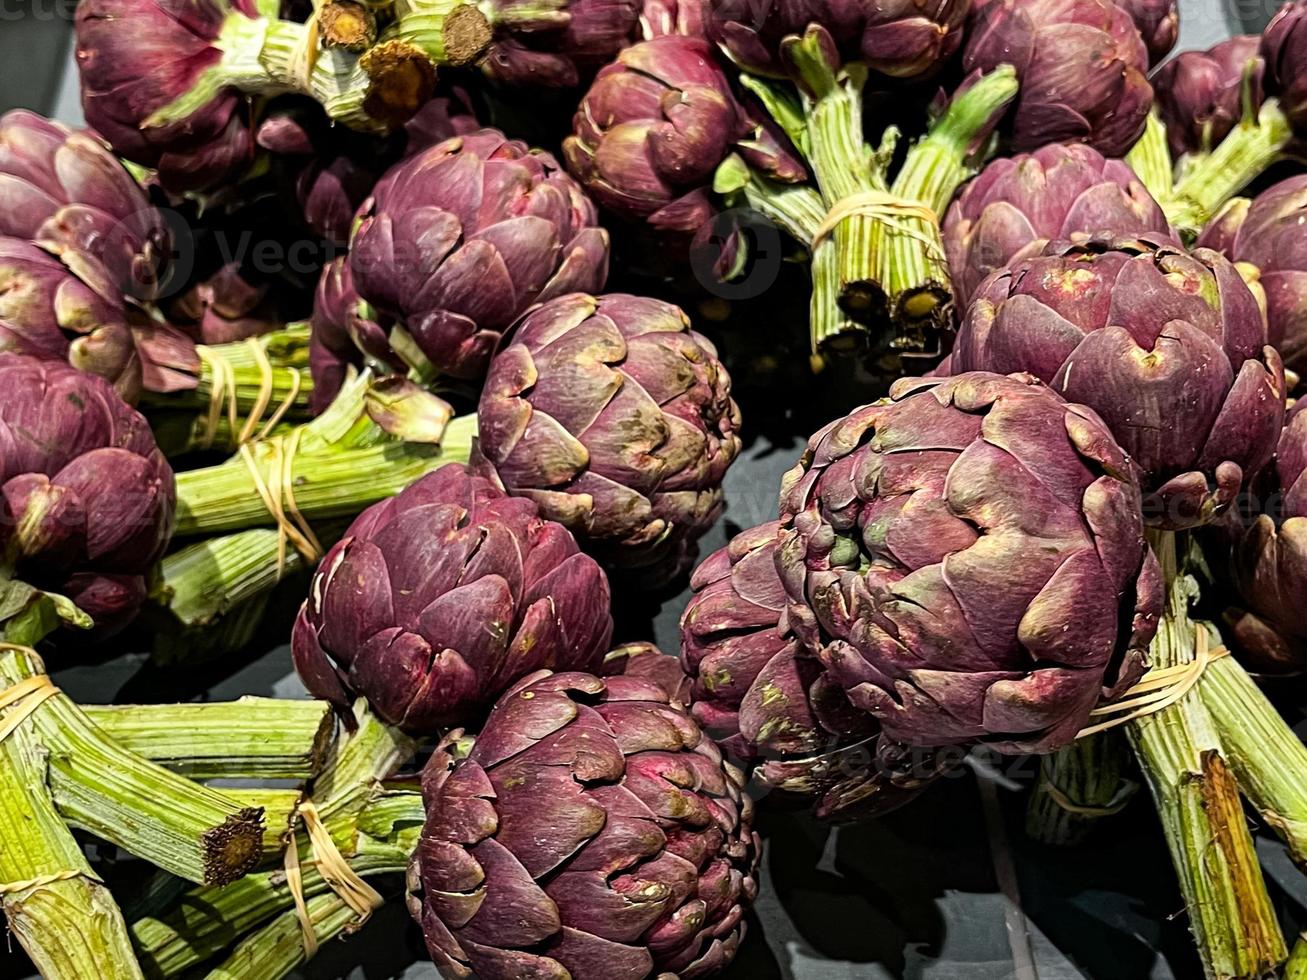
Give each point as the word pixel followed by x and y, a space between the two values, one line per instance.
pixel 419 341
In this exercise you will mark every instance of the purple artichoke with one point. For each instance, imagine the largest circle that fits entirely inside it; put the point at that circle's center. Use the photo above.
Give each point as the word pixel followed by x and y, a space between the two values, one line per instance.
pixel 768 701
pixel 460 240
pixel 137 57
pixel 553 42
pixel 438 599
pixel 615 417
pixel 649 861
pixel 63 305
pixel 1169 347
pixel 1019 204
pixel 1200 93
pixel 64 186
pixel 344 333
pixel 1284 48
pixel 1270 233
pixel 646 661
pixel 900 38
pixel 967 560
pixel 229 305
pixel 653 129
pixel 1082 65
pixel 331 170
pixel 1158 22
pixel 1269 562
pixel 87 498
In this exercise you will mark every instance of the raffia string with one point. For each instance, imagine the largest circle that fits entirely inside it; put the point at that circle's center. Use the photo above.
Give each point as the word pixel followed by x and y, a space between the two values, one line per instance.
pixel 13 887
pixel 224 393
pixel 1159 689
pixel 1064 802
pixel 277 491
pixel 361 897
pixel 884 207
pixel 22 699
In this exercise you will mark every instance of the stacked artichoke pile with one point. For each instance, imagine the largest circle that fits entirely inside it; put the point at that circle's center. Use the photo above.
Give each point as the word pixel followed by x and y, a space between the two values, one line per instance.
pixel 362 328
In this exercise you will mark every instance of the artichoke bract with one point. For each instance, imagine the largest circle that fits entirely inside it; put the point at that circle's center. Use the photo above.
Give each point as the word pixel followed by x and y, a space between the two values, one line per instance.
pixel 553 42
pixel 968 561
pixel 1269 562
pixel 616 418
pixel 1019 204
pixel 769 702
pixel 64 186
pixel 1158 22
pixel 1269 233
pixel 649 860
pixel 88 500
pixel 1168 346
pixel 653 129
pixel 440 598
pixel 1082 65
pixel 65 306
pixel 1200 94
pixel 137 57
pixel 1284 47
pixel 900 38
pixel 344 333
pixel 459 240
pixel 228 306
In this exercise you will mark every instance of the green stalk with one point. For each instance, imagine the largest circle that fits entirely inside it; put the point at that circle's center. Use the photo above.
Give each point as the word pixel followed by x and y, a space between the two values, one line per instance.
pixel 1183 759
pixel 204 582
pixel 1078 786
pixel 278 948
pixel 71 928
pixel 798 210
pixel 1268 759
pixel 250 738
pixel 327 485
pixel 375 827
pixel 844 167
pixel 182 433
pixel 181 826
pixel 451 32
pixel 1250 148
pixel 1150 159
pixel 279 807
pixel 910 264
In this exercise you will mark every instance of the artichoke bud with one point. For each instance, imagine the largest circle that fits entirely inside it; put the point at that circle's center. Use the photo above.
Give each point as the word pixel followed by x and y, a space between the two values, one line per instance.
pixel 43 519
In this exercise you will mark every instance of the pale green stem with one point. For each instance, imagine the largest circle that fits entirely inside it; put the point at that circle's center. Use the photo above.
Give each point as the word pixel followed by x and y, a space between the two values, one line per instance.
pixel 1079 786
pixel 66 920
pixel 1150 159
pixel 250 738
pixel 1197 799
pixel 176 824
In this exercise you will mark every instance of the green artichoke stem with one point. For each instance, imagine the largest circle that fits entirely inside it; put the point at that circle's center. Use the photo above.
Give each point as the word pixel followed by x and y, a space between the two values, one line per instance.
pixel 66 920
pixel 1197 799
pixel 1150 159
pixel 1078 786
pixel 450 32
pixel 181 826
pixel 209 597
pixel 333 483
pixel 799 211
pixel 1269 760
pixel 910 263
pixel 1250 148
pixel 250 738
pixel 375 827
pixel 275 950
pixel 845 168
